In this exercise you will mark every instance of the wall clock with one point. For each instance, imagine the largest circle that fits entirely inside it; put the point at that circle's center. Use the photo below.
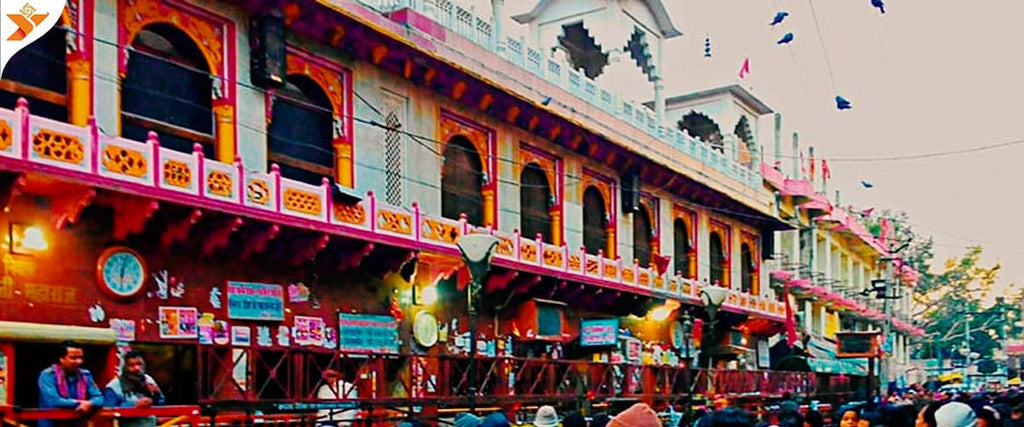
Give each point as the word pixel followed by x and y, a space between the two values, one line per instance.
pixel 424 329
pixel 121 272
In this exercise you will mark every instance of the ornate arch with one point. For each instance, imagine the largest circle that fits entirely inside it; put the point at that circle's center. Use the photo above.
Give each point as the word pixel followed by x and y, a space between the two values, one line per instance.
pixel 724 233
pixel 483 140
pixel 752 241
pixel 650 202
pixel 689 219
pixel 602 184
pixel 553 170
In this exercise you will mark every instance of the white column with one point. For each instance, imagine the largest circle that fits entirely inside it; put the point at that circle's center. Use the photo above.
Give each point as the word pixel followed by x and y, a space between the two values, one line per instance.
pixel 823 319
pixel 808 315
pixel 828 255
pixel 497 31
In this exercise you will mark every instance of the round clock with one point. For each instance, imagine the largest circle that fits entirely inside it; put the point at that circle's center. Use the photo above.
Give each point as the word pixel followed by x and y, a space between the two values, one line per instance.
pixel 121 272
pixel 424 329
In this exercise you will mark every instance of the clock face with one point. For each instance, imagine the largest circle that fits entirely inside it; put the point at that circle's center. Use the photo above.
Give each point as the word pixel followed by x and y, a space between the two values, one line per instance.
pixel 424 329
pixel 121 272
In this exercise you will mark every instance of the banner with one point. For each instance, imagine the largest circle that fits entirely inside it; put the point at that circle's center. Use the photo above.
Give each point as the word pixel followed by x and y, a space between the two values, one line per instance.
pixel 367 333
pixel 178 322
pixel 255 301
pixel 599 332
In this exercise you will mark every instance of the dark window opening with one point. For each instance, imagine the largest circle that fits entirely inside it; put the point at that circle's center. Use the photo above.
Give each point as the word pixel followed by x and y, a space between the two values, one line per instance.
pixel 681 252
pixel 640 51
pixel 595 222
pixel 642 237
pixel 462 182
pixel 717 259
pixel 535 203
pixel 39 74
pixel 746 269
pixel 175 368
pixel 168 89
pixel 743 132
pixel 583 51
pixel 703 128
pixel 301 132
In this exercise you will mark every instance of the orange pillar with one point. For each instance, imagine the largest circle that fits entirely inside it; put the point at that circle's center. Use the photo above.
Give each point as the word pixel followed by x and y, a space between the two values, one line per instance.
pixel 489 217
pixel 79 90
pixel 225 132
pixel 556 225
pixel 344 164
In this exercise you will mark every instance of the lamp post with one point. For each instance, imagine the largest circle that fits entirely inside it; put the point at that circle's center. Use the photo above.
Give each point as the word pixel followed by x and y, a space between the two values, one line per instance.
pixel 476 251
pixel 687 323
pixel 712 297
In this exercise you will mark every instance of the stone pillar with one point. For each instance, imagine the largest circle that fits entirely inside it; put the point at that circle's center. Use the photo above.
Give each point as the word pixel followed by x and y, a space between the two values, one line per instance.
pixel 556 225
pixel 659 100
pixel 498 22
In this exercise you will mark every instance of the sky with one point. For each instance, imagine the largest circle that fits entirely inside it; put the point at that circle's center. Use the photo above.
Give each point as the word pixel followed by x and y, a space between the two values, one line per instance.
pixel 927 76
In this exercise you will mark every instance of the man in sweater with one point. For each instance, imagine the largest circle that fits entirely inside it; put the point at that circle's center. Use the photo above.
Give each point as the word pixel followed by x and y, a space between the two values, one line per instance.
pixel 133 389
pixel 65 385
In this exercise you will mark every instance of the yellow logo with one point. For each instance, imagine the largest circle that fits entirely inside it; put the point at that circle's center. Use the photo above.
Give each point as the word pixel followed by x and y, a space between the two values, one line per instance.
pixel 26 21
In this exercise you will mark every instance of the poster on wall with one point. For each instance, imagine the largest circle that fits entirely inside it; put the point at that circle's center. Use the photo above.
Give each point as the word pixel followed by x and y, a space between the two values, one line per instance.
pixel 367 333
pixel 764 359
pixel 241 336
pixel 4 374
pixel 255 301
pixel 634 350
pixel 124 328
pixel 179 323
pixel 599 332
pixel 309 331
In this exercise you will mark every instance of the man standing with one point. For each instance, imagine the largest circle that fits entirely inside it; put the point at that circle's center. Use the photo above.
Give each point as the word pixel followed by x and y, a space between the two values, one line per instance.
pixel 133 389
pixel 65 385
pixel 336 389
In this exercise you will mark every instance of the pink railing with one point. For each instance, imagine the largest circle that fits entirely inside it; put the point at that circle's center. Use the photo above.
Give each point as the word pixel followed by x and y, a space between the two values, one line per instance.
pixel 33 143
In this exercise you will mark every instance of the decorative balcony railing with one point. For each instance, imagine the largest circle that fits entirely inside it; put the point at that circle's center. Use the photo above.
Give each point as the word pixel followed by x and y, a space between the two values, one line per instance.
pixel 33 143
pixel 468 24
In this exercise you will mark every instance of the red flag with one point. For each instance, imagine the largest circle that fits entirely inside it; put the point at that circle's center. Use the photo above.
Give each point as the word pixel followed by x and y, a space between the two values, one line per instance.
pixel 745 68
pixel 803 166
pixel 826 173
pixel 812 167
pixel 791 335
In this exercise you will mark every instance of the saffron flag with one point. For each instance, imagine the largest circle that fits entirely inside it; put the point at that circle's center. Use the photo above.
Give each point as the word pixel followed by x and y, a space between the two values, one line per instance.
pixel 826 173
pixel 745 68
pixel 812 167
pixel 791 335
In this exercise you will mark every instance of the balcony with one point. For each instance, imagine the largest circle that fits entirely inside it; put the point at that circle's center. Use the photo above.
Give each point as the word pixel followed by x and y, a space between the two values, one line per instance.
pixel 467 24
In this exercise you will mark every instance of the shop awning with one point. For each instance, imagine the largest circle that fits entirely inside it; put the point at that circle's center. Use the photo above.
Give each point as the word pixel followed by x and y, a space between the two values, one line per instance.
pixel 36 332
pixel 835 366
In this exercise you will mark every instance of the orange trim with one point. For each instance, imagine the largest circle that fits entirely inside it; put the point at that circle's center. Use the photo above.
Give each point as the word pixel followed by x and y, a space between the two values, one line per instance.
pixel 689 219
pixel 751 240
pixel 724 232
pixel 137 14
pixel 603 184
pixel 483 140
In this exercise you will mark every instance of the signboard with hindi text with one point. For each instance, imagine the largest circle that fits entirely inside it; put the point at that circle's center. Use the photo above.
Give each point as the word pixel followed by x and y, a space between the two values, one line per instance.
pixel 599 332
pixel 255 301
pixel 367 333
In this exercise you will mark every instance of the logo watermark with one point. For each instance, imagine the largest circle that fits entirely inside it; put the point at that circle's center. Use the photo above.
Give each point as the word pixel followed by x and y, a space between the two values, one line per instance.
pixel 22 23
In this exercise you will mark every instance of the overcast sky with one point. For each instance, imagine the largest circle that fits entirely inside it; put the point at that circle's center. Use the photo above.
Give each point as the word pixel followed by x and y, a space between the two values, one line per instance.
pixel 927 76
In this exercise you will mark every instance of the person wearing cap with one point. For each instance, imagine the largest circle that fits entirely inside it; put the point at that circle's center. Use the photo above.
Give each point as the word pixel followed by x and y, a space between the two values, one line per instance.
pixel 955 414
pixel 546 417
pixel 336 389
pixel 638 415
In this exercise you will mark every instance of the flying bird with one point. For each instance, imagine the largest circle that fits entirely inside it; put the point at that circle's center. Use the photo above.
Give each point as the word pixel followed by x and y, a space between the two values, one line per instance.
pixel 842 103
pixel 867 184
pixel 786 38
pixel 879 4
pixel 779 17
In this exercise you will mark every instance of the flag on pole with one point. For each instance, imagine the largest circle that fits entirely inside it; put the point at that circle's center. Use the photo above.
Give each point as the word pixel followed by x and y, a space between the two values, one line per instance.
pixel 867 212
pixel 745 68
pixel 803 166
pixel 812 167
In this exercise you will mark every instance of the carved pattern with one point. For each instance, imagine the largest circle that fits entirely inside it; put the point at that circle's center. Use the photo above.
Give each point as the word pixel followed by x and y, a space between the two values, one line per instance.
pixel 354 214
pixel 330 78
pixel 553 257
pixel 207 35
pixel 645 278
pixel 627 274
pixel 6 135
pixel 219 183
pixel 394 222
pixel 547 163
pixel 673 286
pixel 441 231
pixel 593 267
pixel 178 174
pixel 528 251
pixel 505 246
pixel 57 146
pixel 258 192
pixel 611 270
pixel 302 201
pixel 574 262
pixel 124 161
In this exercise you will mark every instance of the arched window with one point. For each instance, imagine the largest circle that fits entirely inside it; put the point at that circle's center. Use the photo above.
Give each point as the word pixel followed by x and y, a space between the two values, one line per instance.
pixel 642 234
pixel 717 249
pixel 595 230
pixel 301 131
pixel 701 126
pixel 746 268
pixel 681 249
pixel 461 182
pixel 168 89
pixel 534 202
pixel 39 73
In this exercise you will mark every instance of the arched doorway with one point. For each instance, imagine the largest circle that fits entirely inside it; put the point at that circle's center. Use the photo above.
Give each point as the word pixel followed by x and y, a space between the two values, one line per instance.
pixel 681 247
pixel 462 181
pixel 717 261
pixel 595 224
pixel 746 268
pixel 167 89
pixel 642 234
pixel 535 203
pixel 301 131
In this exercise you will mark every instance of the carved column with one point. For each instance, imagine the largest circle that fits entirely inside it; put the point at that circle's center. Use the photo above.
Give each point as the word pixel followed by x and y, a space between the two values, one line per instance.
pixel 343 163
pixel 556 225
pixel 79 89
pixel 225 131
pixel 489 218
pixel 612 250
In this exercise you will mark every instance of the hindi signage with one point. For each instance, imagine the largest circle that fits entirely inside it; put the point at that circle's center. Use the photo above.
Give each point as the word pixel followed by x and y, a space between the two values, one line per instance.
pixel 599 332
pixel 367 333
pixel 255 301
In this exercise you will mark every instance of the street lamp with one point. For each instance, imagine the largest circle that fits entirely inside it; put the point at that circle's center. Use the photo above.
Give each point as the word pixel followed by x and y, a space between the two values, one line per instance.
pixel 476 251
pixel 712 297
pixel 687 323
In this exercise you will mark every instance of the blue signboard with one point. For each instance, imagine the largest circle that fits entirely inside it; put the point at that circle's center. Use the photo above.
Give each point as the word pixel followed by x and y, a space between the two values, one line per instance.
pixel 599 332
pixel 367 333
pixel 255 301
